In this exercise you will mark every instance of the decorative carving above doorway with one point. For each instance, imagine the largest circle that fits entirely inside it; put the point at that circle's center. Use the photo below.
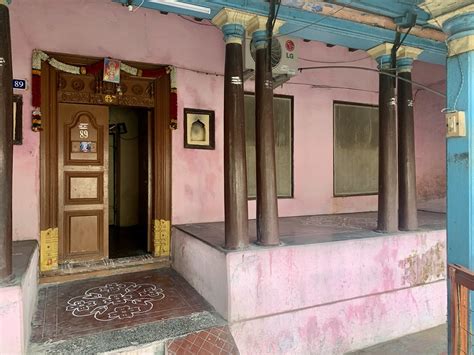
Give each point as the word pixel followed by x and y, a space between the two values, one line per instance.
pixel 86 84
pixel 90 89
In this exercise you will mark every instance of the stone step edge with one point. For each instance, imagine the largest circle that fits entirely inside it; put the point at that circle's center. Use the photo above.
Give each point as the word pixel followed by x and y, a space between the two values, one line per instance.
pixel 131 338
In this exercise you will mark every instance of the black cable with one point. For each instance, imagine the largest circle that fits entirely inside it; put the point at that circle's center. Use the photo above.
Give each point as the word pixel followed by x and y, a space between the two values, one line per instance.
pixel 393 54
pixel 376 71
pixel 335 62
pixel 316 86
pixel 406 34
pixel 269 28
pixel 276 14
pixel 195 22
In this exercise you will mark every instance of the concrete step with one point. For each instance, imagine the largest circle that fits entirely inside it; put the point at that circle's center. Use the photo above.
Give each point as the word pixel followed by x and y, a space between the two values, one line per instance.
pixel 167 336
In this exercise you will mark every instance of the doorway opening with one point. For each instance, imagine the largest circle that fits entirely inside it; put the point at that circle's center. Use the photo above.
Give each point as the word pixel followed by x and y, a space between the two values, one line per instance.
pixel 129 185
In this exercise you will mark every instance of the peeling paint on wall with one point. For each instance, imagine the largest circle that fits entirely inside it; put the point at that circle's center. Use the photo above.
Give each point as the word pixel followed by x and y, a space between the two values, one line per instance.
pixel 429 266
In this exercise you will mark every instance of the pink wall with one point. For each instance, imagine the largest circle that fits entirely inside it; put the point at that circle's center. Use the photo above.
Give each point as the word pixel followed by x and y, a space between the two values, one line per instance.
pixel 430 132
pixel 89 27
pixel 342 327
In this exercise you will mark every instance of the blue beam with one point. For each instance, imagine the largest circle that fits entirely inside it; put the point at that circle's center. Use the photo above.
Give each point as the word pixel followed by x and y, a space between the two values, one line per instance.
pixel 389 8
pixel 312 26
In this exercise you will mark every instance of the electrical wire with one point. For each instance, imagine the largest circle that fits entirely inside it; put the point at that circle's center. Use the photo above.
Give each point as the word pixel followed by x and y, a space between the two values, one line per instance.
pixel 317 21
pixel 199 71
pixel 317 86
pixel 376 71
pixel 335 62
pixel 195 22
pixel 276 14
pixel 135 9
pixel 439 82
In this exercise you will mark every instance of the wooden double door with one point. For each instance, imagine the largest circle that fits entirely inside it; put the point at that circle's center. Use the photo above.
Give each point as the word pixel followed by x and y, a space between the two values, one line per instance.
pixel 74 165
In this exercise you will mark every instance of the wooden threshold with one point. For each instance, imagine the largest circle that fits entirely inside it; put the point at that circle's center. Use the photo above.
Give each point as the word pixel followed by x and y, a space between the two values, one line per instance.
pixel 83 271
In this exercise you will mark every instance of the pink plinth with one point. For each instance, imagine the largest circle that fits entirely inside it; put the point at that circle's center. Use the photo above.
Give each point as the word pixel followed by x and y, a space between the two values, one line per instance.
pixel 18 299
pixel 321 298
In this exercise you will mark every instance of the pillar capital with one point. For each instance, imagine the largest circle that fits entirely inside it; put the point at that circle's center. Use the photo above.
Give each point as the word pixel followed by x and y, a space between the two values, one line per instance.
pixel 405 58
pixel 442 10
pixel 259 23
pixel 460 31
pixel 456 19
pixel 233 23
pixel 257 28
pixel 382 54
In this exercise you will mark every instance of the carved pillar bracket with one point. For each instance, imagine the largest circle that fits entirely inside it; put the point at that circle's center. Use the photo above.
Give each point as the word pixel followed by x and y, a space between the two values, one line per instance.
pixel 233 24
pixel 407 212
pixel 388 172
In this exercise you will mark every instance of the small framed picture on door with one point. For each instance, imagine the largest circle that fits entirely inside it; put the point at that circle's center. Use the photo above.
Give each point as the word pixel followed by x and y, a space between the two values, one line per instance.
pixel 199 129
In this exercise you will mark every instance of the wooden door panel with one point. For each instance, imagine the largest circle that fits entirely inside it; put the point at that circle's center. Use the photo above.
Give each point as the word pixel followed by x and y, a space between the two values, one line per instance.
pixel 84 139
pixel 84 223
pixel 84 187
pixel 82 178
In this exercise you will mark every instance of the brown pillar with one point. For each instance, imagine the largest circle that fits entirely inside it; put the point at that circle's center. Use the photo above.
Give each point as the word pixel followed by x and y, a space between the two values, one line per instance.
pixel 267 202
pixel 233 25
pixel 388 175
pixel 387 206
pixel 407 211
pixel 6 147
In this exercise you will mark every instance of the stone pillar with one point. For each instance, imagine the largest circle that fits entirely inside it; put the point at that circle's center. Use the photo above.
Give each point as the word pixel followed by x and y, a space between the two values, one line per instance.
pixel 233 24
pixel 267 200
pixel 388 175
pixel 6 145
pixel 407 211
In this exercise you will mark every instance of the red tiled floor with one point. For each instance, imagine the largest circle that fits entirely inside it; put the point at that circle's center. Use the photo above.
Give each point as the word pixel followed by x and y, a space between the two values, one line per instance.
pixel 213 341
pixel 84 307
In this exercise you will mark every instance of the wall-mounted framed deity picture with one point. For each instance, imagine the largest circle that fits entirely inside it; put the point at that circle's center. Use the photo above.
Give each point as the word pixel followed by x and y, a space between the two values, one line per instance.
pixel 17 119
pixel 199 129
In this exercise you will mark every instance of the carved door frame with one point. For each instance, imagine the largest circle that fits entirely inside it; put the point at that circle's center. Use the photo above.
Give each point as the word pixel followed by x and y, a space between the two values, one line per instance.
pixel 161 159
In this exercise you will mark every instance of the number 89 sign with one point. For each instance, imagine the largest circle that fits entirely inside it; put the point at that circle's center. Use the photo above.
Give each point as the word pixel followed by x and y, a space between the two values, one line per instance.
pixel 19 84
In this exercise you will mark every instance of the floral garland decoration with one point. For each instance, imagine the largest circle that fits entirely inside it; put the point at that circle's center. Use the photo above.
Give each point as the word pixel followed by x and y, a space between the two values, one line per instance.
pixel 40 56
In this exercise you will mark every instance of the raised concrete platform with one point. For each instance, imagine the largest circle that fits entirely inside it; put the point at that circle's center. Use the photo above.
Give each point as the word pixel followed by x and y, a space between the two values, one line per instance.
pixel 18 299
pixel 334 285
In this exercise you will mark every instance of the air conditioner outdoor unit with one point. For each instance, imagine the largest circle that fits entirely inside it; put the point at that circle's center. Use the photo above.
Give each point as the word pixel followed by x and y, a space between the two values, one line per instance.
pixel 284 58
